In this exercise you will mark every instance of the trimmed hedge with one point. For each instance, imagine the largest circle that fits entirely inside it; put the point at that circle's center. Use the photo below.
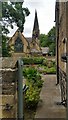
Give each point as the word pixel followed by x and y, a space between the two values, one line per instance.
pixel 31 61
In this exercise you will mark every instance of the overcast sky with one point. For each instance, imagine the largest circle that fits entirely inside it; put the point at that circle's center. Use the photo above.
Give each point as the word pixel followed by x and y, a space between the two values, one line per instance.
pixel 46 16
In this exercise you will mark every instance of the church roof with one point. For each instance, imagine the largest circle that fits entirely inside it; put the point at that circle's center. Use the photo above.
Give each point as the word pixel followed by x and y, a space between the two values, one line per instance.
pixel 20 34
pixel 45 50
pixel 29 39
pixel 34 51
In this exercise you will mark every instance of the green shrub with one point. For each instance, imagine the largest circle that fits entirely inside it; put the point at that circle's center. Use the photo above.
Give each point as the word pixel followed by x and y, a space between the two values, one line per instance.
pixel 39 83
pixel 51 70
pixel 27 61
pixel 49 63
pixel 34 82
pixel 32 97
pixel 47 69
pixel 34 60
pixel 30 73
pixel 45 62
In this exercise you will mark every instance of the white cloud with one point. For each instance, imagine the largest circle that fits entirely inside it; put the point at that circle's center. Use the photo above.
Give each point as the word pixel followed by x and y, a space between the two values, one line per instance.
pixel 45 12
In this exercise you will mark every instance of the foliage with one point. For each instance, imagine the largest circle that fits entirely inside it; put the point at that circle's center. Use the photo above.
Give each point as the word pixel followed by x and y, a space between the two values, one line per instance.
pixel 48 67
pixel 52 41
pixel 5 48
pixel 33 60
pixel 45 62
pixel 13 12
pixel 30 73
pixel 33 80
pixel 49 40
pixel 32 96
pixel 49 63
pixel 47 70
pixel 43 40
pixel 51 70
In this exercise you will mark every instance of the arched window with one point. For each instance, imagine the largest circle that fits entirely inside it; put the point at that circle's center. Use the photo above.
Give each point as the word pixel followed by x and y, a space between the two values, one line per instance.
pixel 18 46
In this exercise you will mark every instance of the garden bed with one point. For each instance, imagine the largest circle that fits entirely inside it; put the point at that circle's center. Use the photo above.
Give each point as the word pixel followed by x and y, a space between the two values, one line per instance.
pixel 32 73
pixel 32 95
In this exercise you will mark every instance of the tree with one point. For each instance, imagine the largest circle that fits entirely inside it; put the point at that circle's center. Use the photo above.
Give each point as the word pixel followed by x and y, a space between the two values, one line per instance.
pixel 52 41
pixel 43 40
pixel 5 48
pixel 13 12
pixel 49 40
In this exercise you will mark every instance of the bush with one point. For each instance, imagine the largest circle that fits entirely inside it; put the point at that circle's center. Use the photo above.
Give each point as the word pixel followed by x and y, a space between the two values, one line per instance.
pixel 49 63
pixel 30 73
pixel 33 80
pixel 32 97
pixel 34 60
pixel 51 70
pixel 45 62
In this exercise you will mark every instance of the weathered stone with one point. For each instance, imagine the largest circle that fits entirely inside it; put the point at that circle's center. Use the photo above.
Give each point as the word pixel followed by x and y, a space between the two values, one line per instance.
pixel 8 80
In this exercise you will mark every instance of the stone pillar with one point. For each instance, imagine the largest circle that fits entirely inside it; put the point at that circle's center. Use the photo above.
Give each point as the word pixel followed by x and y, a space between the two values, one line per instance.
pixel 9 88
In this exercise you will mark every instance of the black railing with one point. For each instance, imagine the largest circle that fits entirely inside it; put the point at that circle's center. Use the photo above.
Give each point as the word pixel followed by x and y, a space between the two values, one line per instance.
pixel 63 81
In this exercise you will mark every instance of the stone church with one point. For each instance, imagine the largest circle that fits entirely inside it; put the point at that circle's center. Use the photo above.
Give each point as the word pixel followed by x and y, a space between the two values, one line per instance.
pixel 21 46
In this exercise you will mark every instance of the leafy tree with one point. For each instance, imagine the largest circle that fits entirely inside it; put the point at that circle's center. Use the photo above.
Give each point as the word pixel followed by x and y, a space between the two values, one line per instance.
pixel 52 49
pixel 13 12
pixel 49 40
pixel 5 48
pixel 43 40
pixel 52 40
pixel 51 35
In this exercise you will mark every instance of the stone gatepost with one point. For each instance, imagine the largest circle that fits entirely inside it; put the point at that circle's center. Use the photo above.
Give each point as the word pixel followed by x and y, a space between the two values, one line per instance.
pixel 9 88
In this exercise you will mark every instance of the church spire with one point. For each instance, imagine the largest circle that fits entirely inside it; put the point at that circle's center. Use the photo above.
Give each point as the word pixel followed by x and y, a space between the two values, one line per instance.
pixel 35 33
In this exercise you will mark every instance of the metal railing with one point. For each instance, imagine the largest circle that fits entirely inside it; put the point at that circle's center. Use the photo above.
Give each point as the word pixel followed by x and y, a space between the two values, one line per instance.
pixel 63 82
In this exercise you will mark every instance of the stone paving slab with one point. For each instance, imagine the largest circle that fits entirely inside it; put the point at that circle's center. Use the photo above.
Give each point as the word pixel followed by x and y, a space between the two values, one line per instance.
pixel 50 96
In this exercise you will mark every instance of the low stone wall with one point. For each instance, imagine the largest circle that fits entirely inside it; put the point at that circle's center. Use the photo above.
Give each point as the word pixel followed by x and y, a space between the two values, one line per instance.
pixel 9 88
pixel 8 75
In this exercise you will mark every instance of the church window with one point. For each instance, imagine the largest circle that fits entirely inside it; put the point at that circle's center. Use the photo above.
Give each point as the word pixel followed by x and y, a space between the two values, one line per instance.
pixel 18 47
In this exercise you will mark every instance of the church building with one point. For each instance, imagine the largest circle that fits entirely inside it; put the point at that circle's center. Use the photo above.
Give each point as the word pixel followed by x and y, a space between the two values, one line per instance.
pixel 21 46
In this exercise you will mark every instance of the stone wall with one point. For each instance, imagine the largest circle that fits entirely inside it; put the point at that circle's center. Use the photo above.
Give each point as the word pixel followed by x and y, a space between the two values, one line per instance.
pixel 62 33
pixel 67 24
pixel 9 88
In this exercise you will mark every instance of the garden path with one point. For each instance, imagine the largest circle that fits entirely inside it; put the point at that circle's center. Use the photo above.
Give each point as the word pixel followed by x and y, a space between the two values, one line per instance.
pixel 50 96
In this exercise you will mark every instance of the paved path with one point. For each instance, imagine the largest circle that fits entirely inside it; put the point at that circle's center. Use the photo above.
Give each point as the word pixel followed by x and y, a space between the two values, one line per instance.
pixel 50 96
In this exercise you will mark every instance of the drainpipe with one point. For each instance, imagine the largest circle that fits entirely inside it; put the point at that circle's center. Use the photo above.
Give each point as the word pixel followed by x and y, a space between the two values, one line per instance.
pixel 20 94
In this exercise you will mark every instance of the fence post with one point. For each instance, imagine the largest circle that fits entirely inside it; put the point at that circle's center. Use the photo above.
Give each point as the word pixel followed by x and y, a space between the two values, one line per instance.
pixel 20 93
